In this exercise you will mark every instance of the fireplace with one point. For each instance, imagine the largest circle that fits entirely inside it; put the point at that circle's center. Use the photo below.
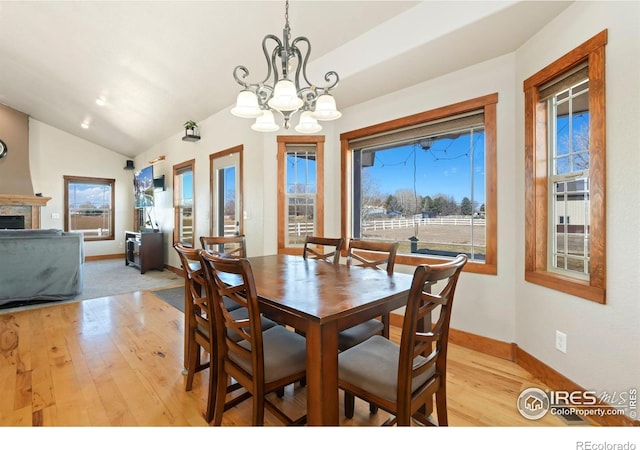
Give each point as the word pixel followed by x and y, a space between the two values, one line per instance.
pixel 11 222
pixel 25 206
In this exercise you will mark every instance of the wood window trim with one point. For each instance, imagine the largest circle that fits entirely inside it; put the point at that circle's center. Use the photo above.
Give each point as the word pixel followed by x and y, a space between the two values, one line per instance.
pixel 536 168
pixel 112 182
pixel 221 154
pixel 176 219
pixel 282 150
pixel 489 104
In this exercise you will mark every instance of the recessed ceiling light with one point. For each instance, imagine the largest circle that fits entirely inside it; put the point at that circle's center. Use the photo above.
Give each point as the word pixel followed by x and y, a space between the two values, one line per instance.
pixel 85 124
pixel 100 101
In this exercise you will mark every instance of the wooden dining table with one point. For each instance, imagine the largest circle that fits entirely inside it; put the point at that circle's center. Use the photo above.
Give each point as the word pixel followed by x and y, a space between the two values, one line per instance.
pixel 320 299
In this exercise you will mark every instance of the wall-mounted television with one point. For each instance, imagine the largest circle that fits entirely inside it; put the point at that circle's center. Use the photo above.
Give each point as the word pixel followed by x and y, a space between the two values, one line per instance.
pixel 143 187
pixel 158 183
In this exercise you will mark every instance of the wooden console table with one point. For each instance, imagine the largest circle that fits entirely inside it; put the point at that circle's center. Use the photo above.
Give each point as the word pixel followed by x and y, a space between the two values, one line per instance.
pixel 144 250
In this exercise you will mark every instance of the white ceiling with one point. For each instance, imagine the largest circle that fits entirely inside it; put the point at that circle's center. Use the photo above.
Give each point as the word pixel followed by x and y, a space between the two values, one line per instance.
pixel 160 63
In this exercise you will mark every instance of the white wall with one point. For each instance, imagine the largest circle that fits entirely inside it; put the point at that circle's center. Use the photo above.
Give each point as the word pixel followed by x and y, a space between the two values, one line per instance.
pixel 53 154
pixel 603 345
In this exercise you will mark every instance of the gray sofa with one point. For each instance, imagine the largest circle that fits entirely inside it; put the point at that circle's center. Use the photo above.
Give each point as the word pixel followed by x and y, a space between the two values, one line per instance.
pixel 38 265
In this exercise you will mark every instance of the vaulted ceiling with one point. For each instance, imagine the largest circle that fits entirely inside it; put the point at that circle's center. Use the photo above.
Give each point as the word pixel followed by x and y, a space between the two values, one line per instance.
pixel 158 64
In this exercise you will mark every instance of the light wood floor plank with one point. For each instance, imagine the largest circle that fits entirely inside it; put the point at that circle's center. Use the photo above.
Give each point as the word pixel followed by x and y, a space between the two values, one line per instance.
pixel 117 361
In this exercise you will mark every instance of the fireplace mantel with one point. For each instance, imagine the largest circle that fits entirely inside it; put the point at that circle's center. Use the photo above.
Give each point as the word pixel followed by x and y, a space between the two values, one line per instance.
pixel 15 199
pixel 25 205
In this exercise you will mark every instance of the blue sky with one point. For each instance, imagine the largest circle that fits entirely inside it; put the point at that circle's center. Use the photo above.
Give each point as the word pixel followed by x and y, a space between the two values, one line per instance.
pixel 82 194
pixel 444 168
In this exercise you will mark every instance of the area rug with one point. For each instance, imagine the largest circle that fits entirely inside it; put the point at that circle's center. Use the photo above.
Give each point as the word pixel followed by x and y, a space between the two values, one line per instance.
pixel 104 278
pixel 173 296
pixel 111 277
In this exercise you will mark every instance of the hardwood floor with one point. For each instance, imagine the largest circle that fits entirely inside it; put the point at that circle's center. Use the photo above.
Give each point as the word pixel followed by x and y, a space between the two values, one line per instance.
pixel 117 361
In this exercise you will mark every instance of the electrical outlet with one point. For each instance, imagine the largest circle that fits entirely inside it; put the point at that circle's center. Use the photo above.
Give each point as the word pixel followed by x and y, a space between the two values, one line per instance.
pixel 561 341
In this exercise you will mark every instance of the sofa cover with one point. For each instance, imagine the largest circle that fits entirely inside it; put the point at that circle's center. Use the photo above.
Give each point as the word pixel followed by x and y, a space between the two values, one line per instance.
pixel 40 265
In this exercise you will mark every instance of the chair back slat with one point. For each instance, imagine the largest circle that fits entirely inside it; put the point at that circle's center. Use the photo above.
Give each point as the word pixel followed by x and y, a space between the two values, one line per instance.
pixel 372 254
pixel 421 336
pixel 229 246
pixel 311 252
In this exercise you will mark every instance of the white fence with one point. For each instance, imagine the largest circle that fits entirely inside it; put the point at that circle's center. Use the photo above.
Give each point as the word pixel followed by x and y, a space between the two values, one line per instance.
pixel 304 228
pixel 391 224
pixel 301 228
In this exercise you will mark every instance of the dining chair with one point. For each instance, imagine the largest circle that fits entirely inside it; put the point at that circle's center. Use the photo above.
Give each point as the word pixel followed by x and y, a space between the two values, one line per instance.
pixel 199 334
pixel 311 249
pixel 402 379
pixel 264 361
pixel 233 246
pixel 198 314
pixel 377 255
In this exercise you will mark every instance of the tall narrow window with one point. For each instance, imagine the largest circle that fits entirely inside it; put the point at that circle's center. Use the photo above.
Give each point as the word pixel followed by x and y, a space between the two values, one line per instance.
pixel 565 158
pixel 300 190
pixel 183 203
pixel 89 207
pixel 226 192
pixel 568 107
pixel 428 182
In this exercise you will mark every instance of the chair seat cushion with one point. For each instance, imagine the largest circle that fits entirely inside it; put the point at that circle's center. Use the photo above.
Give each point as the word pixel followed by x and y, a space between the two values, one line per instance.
pixel 373 367
pixel 359 333
pixel 285 353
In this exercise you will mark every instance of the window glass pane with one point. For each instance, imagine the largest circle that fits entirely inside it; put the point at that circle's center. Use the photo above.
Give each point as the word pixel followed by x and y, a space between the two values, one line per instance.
pixel 231 223
pixel 570 199
pixel 429 195
pixel 562 166
pixel 301 189
pixel 90 208
pixel 300 219
pixel 185 206
pixel 571 230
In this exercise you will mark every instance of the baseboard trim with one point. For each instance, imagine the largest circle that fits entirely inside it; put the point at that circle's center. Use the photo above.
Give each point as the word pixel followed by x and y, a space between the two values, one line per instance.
pixel 510 351
pixel 103 257
pixel 173 269
pixel 483 344
pixel 471 341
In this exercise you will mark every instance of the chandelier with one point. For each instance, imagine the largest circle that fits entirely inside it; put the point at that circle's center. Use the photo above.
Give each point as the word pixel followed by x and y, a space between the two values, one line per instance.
pixel 280 93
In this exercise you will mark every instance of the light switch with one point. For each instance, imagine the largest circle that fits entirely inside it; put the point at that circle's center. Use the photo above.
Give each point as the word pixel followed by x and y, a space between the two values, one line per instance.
pixel 55 215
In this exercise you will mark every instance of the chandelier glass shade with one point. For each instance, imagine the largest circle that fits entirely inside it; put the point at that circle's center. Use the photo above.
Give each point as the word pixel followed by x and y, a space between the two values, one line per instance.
pixel 286 88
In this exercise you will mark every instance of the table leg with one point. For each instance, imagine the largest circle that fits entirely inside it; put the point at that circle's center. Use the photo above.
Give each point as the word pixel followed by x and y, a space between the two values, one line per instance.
pixel 322 374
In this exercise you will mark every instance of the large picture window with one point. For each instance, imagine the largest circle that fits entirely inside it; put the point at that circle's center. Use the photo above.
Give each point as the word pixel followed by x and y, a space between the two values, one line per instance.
pixel 428 182
pixel 565 173
pixel 89 207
